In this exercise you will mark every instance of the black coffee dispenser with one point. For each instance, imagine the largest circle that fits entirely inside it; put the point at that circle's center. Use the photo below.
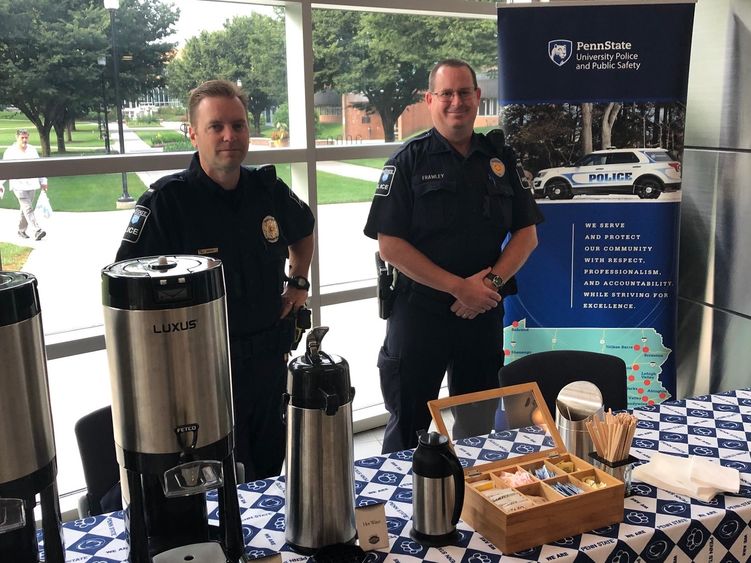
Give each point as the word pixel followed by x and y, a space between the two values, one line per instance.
pixel 167 345
pixel 28 464
pixel 437 491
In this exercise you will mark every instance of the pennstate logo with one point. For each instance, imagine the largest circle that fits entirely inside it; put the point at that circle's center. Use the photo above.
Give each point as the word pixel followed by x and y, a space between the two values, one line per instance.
pixel 560 51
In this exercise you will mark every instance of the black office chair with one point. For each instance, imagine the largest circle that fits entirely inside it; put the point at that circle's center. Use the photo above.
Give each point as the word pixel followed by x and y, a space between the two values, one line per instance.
pixel 552 371
pixel 96 444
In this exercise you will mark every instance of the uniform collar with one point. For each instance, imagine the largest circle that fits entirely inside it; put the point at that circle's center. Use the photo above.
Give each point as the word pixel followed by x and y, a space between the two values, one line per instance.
pixel 199 175
pixel 439 144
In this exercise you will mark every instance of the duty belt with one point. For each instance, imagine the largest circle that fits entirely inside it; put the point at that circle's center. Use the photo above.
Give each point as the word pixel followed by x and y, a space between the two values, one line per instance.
pixel 424 296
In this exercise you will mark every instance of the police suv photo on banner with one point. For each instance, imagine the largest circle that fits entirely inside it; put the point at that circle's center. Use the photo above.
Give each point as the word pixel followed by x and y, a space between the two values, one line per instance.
pixel 593 100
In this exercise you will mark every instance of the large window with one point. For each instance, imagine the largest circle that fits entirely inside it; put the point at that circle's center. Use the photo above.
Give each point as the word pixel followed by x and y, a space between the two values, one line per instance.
pixel 334 91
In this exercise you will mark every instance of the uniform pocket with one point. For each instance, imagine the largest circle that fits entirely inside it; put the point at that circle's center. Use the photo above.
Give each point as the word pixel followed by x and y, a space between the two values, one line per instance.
pixel 497 202
pixel 388 367
pixel 435 205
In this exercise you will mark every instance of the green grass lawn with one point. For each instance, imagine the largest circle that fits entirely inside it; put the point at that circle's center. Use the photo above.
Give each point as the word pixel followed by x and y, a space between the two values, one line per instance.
pixel 329 130
pixel 84 193
pixel 13 257
pixel 85 137
pixel 335 189
pixel 99 193
pixel 369 162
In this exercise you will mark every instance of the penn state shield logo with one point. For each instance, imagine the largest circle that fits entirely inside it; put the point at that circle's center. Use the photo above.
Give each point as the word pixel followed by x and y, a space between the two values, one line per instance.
pixel 560 51
pixel 270 229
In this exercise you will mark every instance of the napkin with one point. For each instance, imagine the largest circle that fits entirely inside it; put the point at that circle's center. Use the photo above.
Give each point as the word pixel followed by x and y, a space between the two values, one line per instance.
pixel 693 476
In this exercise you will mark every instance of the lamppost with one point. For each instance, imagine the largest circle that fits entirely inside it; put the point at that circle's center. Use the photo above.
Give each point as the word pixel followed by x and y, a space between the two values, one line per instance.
pixel 112 6
pixel 106 132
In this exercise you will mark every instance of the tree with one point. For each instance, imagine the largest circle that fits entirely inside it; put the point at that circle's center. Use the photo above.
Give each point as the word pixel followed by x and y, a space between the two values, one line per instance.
pixel 608 120
pixel 249 49
pixel 49 51
pixel 387 57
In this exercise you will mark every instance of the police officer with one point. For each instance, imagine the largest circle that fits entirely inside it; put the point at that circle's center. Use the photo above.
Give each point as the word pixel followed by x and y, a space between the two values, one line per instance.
pixel 444 204
pixel 253 222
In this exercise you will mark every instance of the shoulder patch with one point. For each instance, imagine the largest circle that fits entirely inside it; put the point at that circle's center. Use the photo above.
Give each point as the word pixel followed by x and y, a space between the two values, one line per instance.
pixel 136 224
pixel 383 188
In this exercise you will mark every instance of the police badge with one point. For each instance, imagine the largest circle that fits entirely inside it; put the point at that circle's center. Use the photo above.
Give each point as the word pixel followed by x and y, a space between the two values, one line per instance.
pixel 497 166
pixel 270 229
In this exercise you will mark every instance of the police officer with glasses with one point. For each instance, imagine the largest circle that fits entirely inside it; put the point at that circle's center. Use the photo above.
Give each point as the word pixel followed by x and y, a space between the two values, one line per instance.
pixel 443 207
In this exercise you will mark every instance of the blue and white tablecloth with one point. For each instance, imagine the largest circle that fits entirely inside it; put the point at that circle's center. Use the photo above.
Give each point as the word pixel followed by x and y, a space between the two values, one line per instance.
pixel 657 525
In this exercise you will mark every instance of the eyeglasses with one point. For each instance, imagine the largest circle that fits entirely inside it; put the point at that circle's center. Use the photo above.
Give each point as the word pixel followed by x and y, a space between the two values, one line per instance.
pixel 447 95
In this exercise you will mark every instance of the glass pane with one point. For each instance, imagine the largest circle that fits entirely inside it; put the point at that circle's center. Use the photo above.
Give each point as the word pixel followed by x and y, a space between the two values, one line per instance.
pixel 490 416
pixel 375 67
pixel 78 386
pixel 345 190
pixel 356 334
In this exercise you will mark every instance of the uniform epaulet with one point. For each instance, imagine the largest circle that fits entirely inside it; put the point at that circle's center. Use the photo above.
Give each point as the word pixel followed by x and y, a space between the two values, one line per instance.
pixel 165 180
pixel 266 174
pixel 412 141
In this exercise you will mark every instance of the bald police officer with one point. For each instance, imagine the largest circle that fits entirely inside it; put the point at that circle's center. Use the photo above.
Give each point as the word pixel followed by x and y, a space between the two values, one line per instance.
pixel 441 211
pixel 253 222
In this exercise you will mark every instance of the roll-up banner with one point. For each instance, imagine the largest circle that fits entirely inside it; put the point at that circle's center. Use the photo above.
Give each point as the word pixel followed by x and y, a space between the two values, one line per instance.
pixel 593 100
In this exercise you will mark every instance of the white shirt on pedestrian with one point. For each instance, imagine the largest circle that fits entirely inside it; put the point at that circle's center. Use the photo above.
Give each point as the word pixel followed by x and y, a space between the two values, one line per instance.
pixel 14 152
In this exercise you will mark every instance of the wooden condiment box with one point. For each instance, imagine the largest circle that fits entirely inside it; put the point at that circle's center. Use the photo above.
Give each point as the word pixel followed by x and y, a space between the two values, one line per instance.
pixel 520 526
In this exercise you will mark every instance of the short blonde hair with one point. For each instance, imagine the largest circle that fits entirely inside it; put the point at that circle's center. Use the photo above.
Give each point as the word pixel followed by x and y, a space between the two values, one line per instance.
pixel 213 89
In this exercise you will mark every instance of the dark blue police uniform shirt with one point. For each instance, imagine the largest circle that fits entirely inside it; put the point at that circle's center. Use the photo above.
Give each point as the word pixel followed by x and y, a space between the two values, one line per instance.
pixel 249 229
pixel 456 210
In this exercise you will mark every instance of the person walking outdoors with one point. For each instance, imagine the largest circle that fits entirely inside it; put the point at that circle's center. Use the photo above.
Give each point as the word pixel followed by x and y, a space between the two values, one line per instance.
pixel 24 188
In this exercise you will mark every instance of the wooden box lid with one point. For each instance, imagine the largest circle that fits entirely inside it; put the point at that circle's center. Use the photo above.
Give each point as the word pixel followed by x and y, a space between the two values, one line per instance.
pixel 484 412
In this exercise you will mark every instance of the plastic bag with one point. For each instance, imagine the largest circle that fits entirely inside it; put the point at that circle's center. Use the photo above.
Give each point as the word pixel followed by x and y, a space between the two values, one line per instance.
pixel 43 206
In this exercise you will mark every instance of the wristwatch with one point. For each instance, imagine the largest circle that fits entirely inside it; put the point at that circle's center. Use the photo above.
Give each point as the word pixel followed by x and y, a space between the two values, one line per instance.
pixel 496 280
pixel 299 282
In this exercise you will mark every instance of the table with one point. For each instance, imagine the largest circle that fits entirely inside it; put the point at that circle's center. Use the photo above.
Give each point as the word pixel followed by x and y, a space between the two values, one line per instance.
pixel 657 525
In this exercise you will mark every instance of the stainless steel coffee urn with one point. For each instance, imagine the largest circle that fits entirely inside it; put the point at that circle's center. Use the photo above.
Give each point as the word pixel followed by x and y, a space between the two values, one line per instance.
pixel 167 345
pixel 28 464
pixel 320 482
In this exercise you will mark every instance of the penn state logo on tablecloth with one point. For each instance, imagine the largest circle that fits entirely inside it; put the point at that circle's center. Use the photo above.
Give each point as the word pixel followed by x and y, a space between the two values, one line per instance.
pixel 270 229
pixel 498 168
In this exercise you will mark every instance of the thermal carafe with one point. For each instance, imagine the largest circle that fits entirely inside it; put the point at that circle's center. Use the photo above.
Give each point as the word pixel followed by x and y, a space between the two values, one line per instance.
pixel 320 482
pixel 28 464
pixel 437 491
pixel 167 344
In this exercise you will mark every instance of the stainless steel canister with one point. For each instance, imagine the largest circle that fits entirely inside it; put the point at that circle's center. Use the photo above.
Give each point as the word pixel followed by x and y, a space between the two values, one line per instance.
pixel 27 441
pixel 167 345
pixel 577 403
pixel 320 483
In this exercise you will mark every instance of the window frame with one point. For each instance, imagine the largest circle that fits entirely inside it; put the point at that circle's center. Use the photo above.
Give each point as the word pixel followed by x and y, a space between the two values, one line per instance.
pixel 302 155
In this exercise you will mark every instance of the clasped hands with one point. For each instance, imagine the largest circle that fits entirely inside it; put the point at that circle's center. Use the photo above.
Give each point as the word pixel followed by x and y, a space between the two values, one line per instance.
pixel 475 295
